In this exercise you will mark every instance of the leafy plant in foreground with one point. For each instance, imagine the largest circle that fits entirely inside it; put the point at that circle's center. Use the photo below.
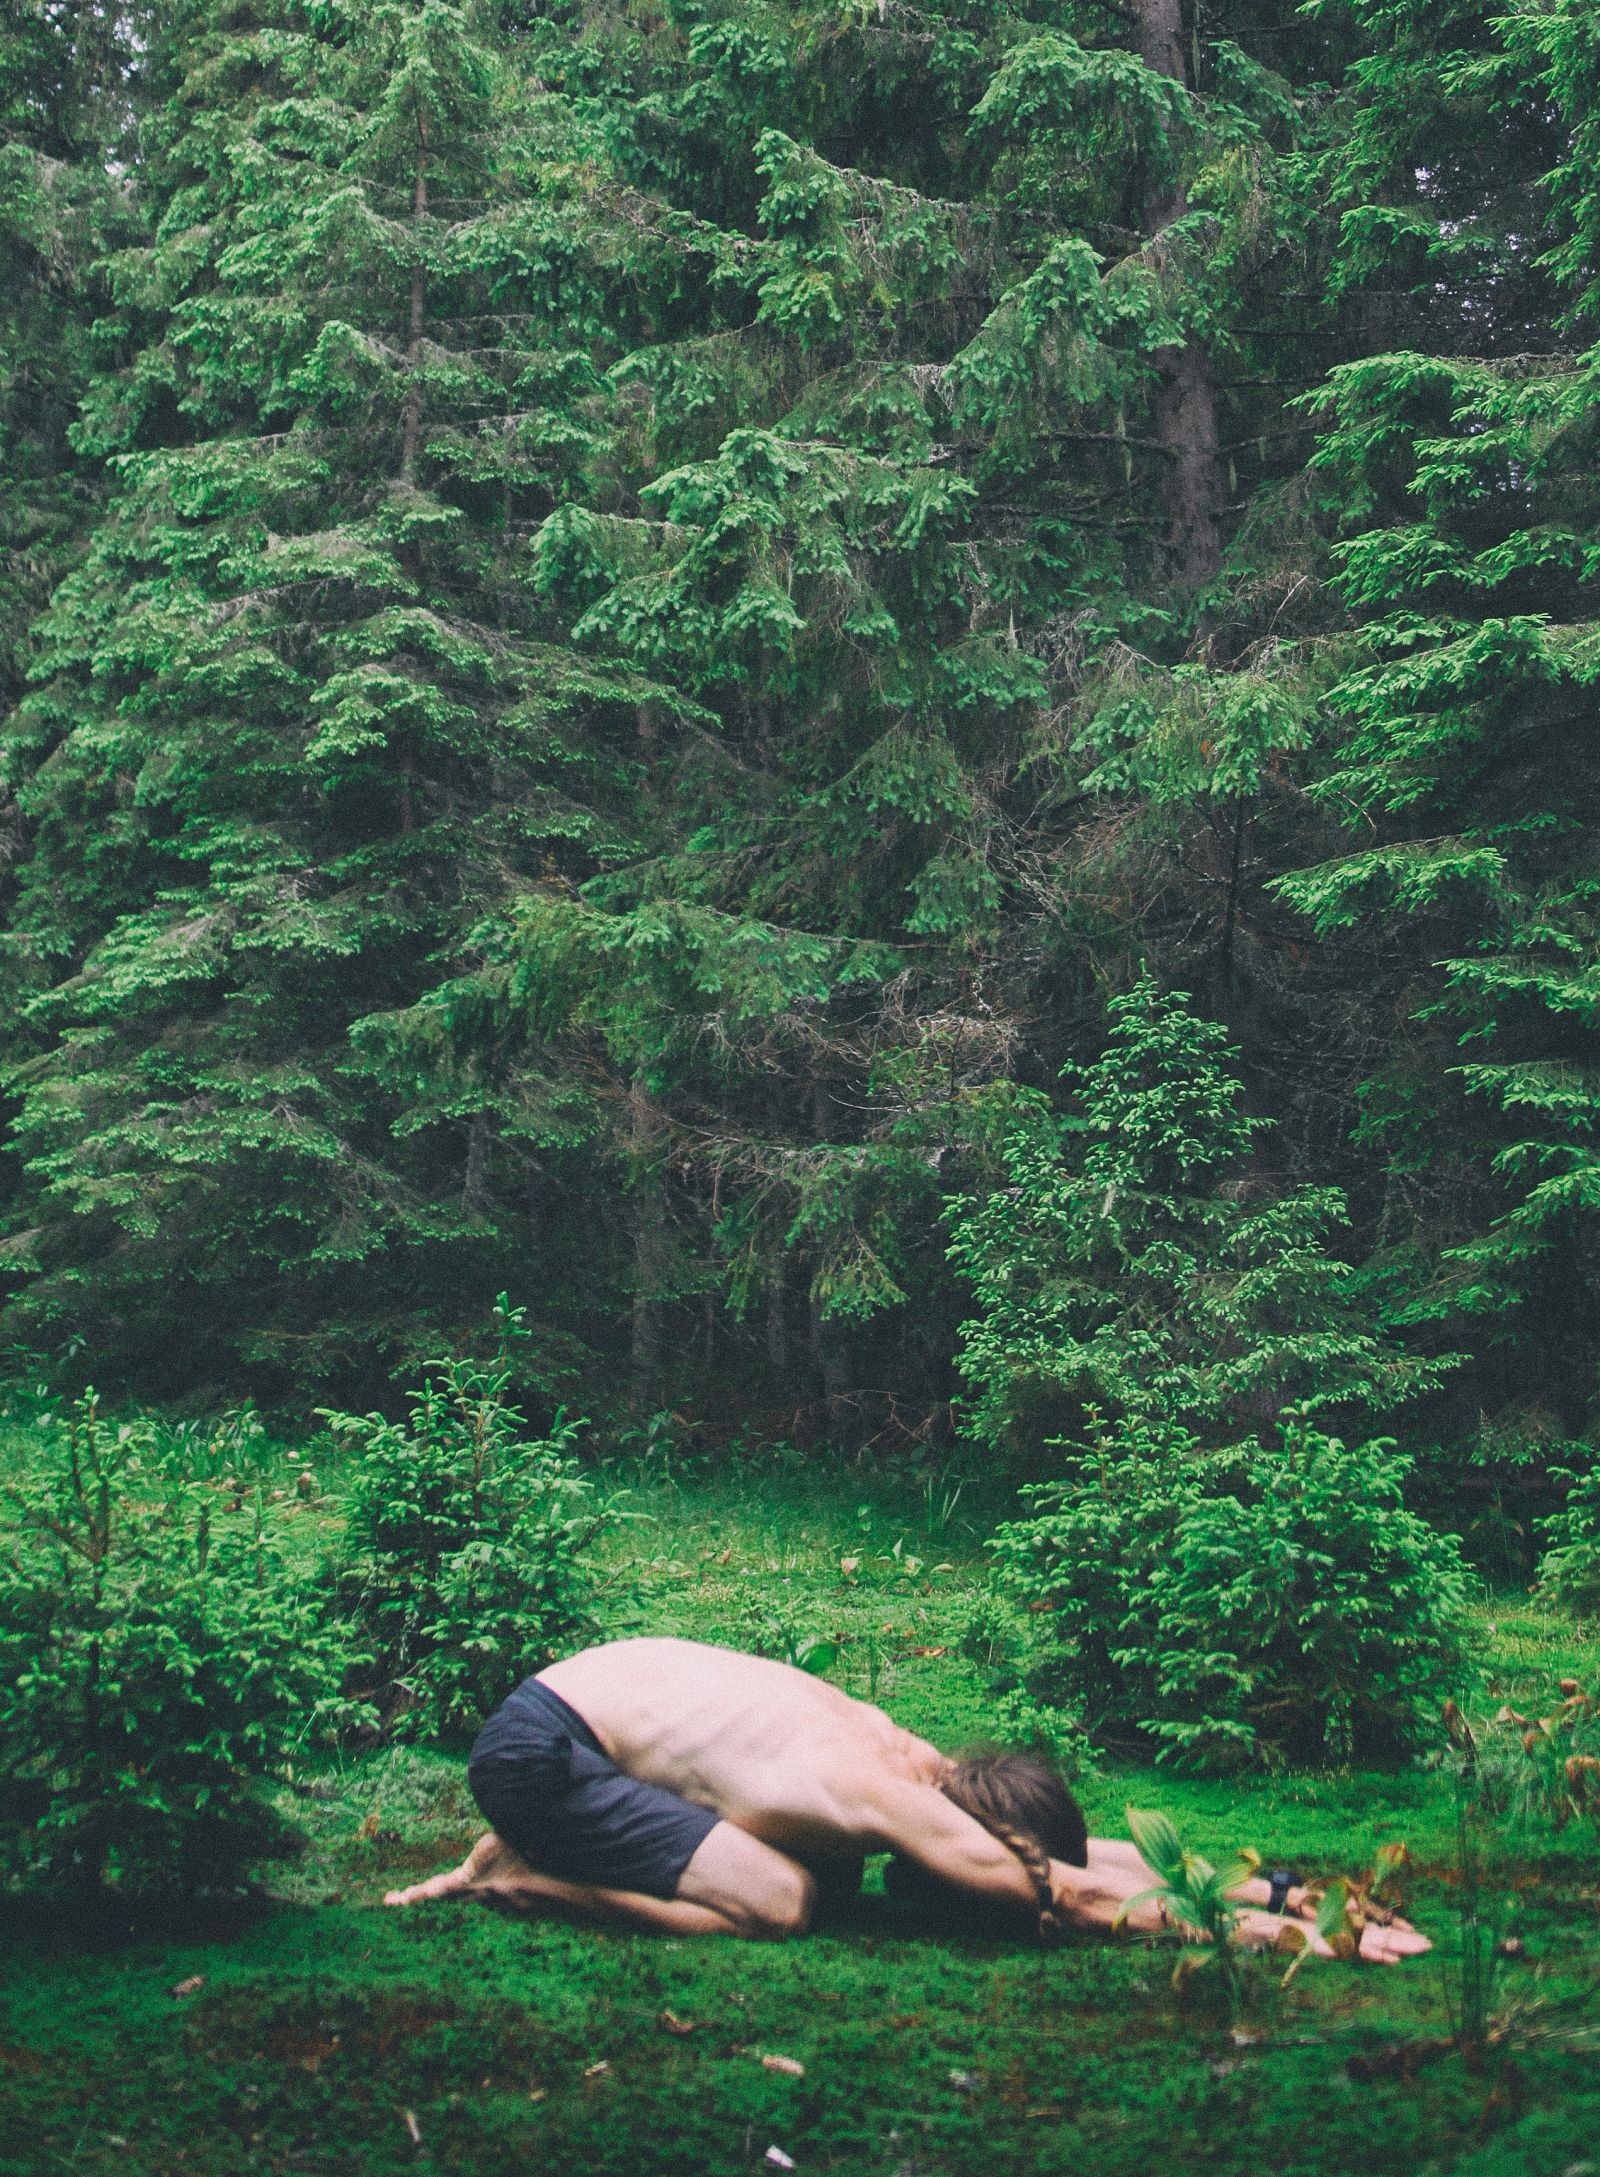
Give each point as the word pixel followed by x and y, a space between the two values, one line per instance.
pixel 1488 2023
pixel 160 1657
pixel 1193 1893
pixel 1537 1769
pixel 465 1541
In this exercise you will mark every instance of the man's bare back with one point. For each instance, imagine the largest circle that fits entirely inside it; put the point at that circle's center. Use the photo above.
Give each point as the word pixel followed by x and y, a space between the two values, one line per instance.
pixel 785 1756
pixel 797 1774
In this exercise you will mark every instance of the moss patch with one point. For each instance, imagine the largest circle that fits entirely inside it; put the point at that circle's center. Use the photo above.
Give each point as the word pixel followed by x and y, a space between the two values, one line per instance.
pixel 327 2036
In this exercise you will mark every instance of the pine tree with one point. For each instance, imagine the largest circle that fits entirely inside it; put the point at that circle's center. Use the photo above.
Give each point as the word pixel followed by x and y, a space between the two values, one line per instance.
pixel 1130 1263
pixel 295 729
pixel 1464 467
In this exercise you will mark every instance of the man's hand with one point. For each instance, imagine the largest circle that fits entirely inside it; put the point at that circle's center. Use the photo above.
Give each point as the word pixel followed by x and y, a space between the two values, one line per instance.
pixel 1380 1945
pixel 1388 1945
pixel 1094 1896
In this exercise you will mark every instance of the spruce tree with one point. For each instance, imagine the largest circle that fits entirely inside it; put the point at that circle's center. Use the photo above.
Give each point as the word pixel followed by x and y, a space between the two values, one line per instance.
pixel 1462 464
pixel 67 105
pixel 950 469
pixel 1128 1262
pixel 295 730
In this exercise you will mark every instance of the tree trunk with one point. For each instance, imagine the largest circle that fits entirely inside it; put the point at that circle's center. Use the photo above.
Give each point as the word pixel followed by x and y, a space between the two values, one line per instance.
pixel 830 1362
pixel 778 1321
pixel 411 433
pixel 411 426
pixel 827 1355
pixel 1160 27
pixel 649 1254
pixel 1186 402
pixel 475 1174
pixel 1186 424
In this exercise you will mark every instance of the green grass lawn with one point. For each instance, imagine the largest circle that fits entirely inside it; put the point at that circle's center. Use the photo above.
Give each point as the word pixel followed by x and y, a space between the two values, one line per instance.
pixel 318 2033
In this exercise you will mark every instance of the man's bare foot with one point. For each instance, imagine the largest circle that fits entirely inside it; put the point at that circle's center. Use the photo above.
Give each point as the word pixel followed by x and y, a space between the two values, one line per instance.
pixel 490 1862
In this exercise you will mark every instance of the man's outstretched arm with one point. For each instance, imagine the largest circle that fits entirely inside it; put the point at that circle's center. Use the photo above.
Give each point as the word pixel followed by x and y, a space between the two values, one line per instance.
pixel 919 1821
pixel 1094 1896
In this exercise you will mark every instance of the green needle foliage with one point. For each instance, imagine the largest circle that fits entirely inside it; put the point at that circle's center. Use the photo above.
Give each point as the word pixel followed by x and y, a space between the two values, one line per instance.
pixel 629 630
pixel 1127 1262
pixel 1570 1572
pixel 463 1546
pixel 163 1656
pixel 1266 1604
pixel 1462 751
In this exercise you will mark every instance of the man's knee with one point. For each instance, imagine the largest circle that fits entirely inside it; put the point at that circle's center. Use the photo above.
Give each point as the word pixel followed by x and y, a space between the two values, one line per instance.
pixel 760 1892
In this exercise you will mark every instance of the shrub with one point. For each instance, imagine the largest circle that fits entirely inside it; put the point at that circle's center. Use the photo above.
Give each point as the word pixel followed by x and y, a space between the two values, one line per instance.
pixel 1569 1573
pixel 159 1661
pixel 465 1542
pixel 1256 1605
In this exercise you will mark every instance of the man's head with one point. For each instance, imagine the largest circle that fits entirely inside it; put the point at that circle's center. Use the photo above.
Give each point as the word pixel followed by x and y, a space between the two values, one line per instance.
pixel 1021 1793
pixel 1023 1802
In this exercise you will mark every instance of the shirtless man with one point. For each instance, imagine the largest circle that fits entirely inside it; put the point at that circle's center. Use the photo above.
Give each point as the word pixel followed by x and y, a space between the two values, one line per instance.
pixel 668 1785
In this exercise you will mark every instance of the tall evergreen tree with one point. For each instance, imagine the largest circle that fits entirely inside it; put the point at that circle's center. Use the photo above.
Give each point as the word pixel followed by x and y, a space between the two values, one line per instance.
pixel 68 94
pixel 295 730
pixel 1465 756
pixel 953 461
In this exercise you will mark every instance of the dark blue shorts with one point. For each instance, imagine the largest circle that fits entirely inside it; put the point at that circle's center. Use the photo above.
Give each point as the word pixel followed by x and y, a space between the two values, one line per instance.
pixel 544 1782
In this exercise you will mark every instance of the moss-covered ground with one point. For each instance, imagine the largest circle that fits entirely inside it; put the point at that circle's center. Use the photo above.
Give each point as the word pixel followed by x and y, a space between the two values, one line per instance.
pixel 317 2033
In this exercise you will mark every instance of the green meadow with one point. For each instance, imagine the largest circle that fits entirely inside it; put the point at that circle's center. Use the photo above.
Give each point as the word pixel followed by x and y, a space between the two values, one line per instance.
pixel 312 2031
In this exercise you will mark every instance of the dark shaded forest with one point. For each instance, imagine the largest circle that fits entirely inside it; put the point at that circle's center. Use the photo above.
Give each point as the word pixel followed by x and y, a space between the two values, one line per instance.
pixel 715 664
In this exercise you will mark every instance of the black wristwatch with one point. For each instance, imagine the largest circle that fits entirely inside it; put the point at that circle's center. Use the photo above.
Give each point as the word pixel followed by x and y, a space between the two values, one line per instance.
pixel 1280 1883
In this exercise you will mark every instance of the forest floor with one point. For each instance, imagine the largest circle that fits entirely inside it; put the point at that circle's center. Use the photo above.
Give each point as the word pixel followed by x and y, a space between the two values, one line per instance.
pixel 317 2033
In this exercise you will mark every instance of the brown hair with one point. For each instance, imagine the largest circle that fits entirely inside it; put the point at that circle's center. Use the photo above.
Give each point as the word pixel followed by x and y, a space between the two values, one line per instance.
pixel 1023 1801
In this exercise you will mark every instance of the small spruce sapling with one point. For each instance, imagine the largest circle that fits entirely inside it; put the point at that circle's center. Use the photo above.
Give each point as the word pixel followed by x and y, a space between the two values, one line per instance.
pixel 1128 1260
pixel 1569 1573
pixel 466 1540
pixel 163 1655
pixel 1268 1603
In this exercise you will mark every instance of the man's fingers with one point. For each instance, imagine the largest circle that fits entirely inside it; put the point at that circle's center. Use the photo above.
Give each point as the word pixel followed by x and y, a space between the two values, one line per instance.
pixel 1387 1946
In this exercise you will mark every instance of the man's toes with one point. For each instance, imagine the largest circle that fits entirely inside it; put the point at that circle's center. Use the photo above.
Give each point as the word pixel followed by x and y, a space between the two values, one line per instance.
pixel 412 1896
pixel 450 1883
